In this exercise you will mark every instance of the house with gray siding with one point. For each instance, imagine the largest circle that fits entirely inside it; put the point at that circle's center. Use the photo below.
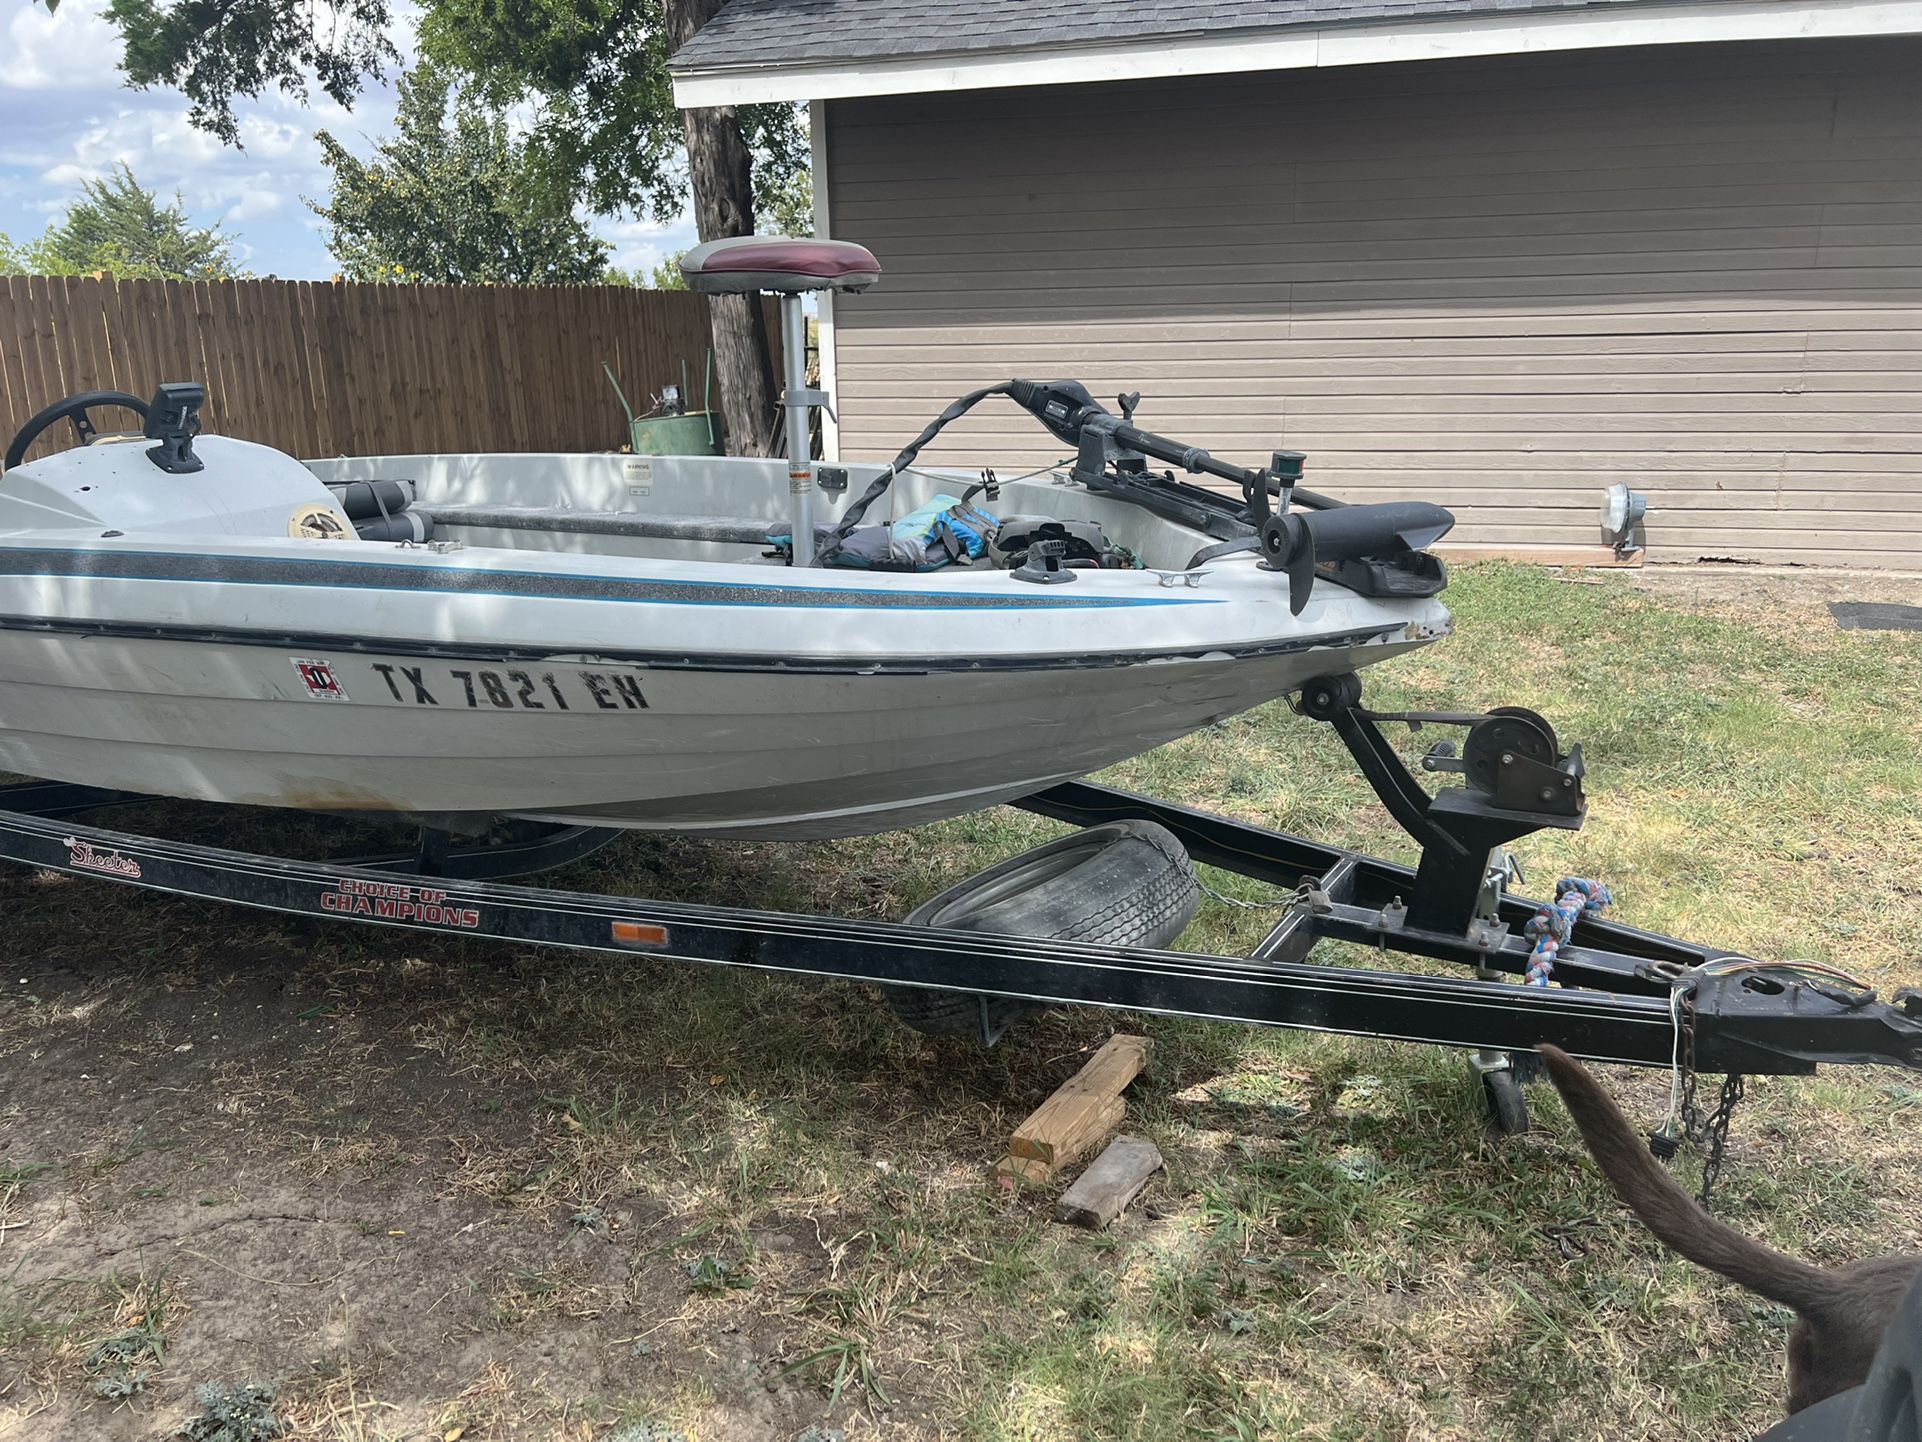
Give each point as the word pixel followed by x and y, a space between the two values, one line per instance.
pixel 1491 253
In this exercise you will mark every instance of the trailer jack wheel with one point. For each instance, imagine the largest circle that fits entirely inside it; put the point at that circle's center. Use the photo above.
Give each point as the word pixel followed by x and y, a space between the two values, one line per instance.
pixel 1507 1107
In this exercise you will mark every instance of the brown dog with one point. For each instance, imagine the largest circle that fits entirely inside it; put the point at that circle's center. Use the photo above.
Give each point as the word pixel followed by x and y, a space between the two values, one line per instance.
pixel 1842 1311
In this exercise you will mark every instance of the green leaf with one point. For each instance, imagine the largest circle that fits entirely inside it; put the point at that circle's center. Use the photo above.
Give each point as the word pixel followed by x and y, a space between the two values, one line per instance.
pixel 454 196
pixel 119 228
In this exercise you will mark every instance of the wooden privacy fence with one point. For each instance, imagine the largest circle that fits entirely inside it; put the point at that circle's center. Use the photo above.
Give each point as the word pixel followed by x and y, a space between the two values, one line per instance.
pixel 320 368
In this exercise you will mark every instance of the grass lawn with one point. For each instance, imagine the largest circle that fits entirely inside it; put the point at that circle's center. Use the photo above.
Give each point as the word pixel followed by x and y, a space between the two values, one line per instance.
pixel 422 1187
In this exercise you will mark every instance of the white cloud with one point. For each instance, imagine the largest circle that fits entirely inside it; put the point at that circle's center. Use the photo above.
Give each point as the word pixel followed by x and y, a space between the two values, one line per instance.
pixel 266 139
pixel 640 229
pixel 215 182
pixel 58 51
pixel 67 116
pixel 640 245
pixel 256 202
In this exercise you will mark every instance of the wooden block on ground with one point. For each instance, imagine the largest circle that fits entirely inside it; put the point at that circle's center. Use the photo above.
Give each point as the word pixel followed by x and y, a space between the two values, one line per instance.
pixel 1085 1108
pixel 1024 1169
pixel 1069 1132
pixel 1103 1192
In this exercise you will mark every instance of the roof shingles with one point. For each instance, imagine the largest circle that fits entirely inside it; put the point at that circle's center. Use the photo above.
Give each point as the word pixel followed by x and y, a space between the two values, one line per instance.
pixel 813 32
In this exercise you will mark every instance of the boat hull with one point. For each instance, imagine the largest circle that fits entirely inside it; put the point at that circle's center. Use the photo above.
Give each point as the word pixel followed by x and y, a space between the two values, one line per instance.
pixel 177 645
pixel 764 751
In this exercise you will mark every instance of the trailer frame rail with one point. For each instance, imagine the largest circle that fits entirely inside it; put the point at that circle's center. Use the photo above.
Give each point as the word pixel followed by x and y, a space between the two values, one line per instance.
pixel 1619 1010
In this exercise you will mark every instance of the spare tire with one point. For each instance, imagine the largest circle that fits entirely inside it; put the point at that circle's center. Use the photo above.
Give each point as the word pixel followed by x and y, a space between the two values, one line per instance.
pixel 1123 883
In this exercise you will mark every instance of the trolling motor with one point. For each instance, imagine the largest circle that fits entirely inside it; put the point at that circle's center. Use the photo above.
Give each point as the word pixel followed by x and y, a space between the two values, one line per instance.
pixel 1378 550
pixel 1112 455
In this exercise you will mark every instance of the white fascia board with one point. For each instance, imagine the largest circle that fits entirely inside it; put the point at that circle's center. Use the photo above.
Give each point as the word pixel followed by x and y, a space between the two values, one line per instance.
pixel 1307 48
pixel 824 314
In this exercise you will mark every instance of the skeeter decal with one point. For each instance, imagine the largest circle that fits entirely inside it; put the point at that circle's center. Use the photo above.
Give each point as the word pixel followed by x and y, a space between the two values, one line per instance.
pixel 391 901
pixel 475 688
pixel 81 854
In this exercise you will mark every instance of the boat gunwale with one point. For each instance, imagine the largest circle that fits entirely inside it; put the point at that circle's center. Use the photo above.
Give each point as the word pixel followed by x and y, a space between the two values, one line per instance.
pixel 733 661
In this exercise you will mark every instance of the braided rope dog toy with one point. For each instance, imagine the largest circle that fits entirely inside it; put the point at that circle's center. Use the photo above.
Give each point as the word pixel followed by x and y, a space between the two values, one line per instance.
pixel 1551 925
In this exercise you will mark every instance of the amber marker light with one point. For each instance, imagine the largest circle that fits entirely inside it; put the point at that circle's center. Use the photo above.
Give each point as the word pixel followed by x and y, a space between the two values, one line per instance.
pixel 640 933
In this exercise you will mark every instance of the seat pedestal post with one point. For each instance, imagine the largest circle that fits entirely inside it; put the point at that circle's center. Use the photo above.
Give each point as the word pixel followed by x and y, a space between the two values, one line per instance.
pixel 791 268
pixel 800 463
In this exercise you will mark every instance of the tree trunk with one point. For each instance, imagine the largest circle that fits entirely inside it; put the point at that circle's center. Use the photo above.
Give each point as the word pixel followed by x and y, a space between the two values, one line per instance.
pixel 720 175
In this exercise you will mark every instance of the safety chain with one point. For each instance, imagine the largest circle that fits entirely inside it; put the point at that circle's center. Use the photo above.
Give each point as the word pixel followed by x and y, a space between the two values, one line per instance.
pixel 1707 1132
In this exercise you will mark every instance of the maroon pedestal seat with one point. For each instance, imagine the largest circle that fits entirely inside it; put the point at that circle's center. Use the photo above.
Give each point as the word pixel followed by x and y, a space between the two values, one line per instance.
pixel 748 263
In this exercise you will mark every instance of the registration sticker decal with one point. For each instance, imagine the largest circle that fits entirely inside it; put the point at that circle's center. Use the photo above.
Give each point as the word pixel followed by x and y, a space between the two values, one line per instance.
pixel 319 679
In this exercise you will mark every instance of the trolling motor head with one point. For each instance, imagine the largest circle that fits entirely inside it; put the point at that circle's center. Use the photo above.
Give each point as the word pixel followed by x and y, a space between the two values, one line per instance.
pixel 1063 407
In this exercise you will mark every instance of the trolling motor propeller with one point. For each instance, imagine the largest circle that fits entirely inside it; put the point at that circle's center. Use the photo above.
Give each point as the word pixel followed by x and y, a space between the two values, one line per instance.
pixel 1288 546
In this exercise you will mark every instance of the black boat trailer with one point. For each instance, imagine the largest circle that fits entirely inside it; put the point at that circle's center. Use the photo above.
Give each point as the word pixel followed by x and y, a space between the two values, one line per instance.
pixel 1621 994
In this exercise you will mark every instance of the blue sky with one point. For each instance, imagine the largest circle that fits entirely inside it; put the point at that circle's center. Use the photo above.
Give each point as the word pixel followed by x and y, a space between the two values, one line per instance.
pixel 65 116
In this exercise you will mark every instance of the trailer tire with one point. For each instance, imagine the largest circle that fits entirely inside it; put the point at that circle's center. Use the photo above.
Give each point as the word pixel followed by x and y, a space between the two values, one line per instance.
pixel 1123 883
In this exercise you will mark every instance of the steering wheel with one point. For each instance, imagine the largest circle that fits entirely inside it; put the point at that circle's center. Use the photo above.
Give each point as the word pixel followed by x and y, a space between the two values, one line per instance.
pixel 74 408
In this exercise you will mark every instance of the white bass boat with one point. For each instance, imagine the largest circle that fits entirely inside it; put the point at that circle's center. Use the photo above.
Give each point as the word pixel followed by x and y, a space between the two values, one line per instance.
pixel 743 648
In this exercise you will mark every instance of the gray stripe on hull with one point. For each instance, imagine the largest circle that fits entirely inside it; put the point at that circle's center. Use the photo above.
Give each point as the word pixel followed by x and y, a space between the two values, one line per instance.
pixel 546 585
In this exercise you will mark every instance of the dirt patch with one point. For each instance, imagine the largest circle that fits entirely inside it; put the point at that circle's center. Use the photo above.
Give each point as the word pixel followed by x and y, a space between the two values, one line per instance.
pixel 1798 588
pixel 266 1153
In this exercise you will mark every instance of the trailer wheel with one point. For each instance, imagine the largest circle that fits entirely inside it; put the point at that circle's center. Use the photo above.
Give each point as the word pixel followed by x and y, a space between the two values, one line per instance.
pixel 1123 883
pixel 1507 1107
